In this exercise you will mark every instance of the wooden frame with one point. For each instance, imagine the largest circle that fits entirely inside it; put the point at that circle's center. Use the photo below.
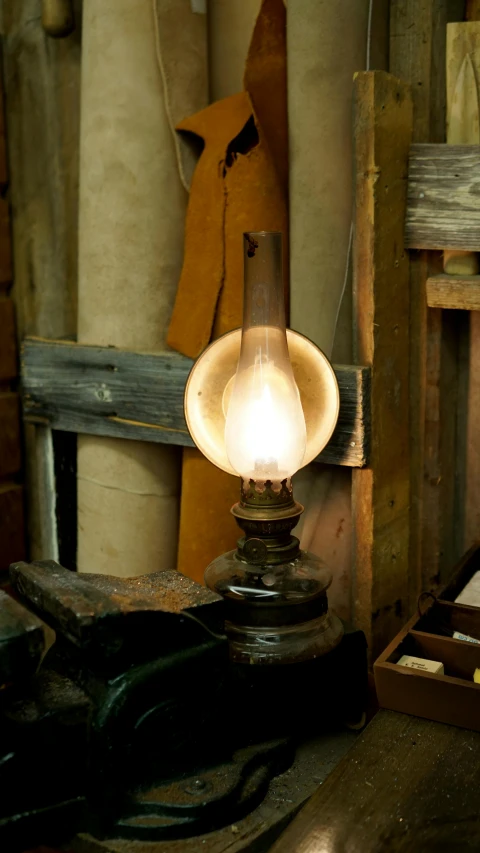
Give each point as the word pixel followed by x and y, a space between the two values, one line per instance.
pixel 124 394
pixel 418 30
pixel 381 493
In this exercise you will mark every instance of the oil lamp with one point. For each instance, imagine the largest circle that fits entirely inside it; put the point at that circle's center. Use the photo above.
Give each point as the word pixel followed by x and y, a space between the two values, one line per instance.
pixel 262 402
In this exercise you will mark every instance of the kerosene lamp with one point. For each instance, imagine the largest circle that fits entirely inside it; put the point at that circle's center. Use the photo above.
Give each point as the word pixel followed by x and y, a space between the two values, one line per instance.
pixel 262 402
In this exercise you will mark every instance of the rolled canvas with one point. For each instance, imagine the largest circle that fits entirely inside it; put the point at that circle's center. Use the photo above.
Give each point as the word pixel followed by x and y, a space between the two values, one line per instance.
pixel 131 225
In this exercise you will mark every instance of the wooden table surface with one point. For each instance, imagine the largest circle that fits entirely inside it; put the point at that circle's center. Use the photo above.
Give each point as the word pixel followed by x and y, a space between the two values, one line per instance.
pixel 407 785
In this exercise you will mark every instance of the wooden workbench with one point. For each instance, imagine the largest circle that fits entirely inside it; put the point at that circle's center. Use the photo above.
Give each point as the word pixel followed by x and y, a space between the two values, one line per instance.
pixel 407 785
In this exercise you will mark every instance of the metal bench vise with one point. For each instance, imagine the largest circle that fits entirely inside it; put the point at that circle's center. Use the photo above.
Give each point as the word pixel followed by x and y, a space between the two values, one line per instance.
pixel 134 724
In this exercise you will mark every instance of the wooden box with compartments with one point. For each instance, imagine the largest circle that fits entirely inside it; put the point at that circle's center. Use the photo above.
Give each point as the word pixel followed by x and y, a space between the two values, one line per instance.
pixel 428 669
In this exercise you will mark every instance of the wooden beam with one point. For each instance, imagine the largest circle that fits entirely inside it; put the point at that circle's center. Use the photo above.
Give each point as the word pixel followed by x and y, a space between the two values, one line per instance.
pixel 6 272
pixel 381 493
pixel 10 445
pixel 443 211
pixel 124 394
pixel 41 79
pixel 418 31
pixel 8 341
pixel 454 291
pixel 12 536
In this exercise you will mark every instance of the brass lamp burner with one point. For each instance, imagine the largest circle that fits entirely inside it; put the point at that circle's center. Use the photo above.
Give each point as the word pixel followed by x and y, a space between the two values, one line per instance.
pixel 267 513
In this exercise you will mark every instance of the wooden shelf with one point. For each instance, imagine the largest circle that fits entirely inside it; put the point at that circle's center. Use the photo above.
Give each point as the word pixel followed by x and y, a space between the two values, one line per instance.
pixel 454 291
pixel 124 394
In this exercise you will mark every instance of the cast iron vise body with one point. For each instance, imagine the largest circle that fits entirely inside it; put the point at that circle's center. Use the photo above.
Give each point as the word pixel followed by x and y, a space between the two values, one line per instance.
pixel 135 720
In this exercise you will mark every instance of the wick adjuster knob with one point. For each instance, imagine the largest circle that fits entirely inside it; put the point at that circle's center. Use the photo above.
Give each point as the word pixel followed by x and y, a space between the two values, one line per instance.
pixel 255 551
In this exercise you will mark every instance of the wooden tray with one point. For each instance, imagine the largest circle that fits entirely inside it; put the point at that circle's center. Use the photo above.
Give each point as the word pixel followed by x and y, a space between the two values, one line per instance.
pixel 450 698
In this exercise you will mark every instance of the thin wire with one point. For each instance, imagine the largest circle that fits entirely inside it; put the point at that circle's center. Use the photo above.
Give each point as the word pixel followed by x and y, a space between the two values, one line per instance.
pixel 345 279
pixel 350 239
pixel 202 625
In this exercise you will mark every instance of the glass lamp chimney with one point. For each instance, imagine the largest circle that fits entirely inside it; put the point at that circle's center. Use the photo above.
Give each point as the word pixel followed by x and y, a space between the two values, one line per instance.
pixel 265 432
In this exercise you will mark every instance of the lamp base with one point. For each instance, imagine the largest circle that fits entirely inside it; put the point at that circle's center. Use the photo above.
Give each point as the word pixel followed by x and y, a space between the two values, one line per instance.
pixel 275 614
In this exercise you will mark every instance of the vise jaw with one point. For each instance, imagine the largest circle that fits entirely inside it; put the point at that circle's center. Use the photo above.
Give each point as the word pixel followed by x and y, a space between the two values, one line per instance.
pixel 132 715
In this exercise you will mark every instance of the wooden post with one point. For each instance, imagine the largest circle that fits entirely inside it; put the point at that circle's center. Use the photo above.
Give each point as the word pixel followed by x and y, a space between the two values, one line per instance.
pixel 12 533
pixel 42 117
pixel 463 67
pixel 417 49
pixel 381 495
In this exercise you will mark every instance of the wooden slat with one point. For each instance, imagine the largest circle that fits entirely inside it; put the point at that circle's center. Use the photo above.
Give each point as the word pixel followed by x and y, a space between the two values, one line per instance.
pixel 10 452
pixel 124 394
pixel 381 494
pixel 443 207
pixel 5 240
pixel 454 291
pixel 472 12
pixel 41 78
pixel 12 536
pixel 8 342
pixel 417 55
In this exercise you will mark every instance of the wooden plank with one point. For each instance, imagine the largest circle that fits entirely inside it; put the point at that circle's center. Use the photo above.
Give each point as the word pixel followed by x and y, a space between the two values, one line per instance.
pixel 454 291
pixel 438 543
pixel 463 117
pixel 42 88
pixel 3 145
pixel 472 436
pixel 472 12
pixel 12 537
pixel 381 494
pixel 410 786
pixel 10 446
pixel 417 55
pixel 8 341
pixel 119 393
pixel 42 112
pixel 463 67
pixel 443 211
pixel 46 495
pixel 6 273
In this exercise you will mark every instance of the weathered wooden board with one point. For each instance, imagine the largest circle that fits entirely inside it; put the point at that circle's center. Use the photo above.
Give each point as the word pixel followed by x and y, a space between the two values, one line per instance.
pixel 12 535
pixel 407 786
pixel 454 291
pixel 6 272
pixel 8 341
pixel 472 12
pixel 10 452
pixel 417 55
pixel 463 120
pixel 443 206
pixel 381 493
pixel 42 113
pixel 42 88
pixel 108 391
